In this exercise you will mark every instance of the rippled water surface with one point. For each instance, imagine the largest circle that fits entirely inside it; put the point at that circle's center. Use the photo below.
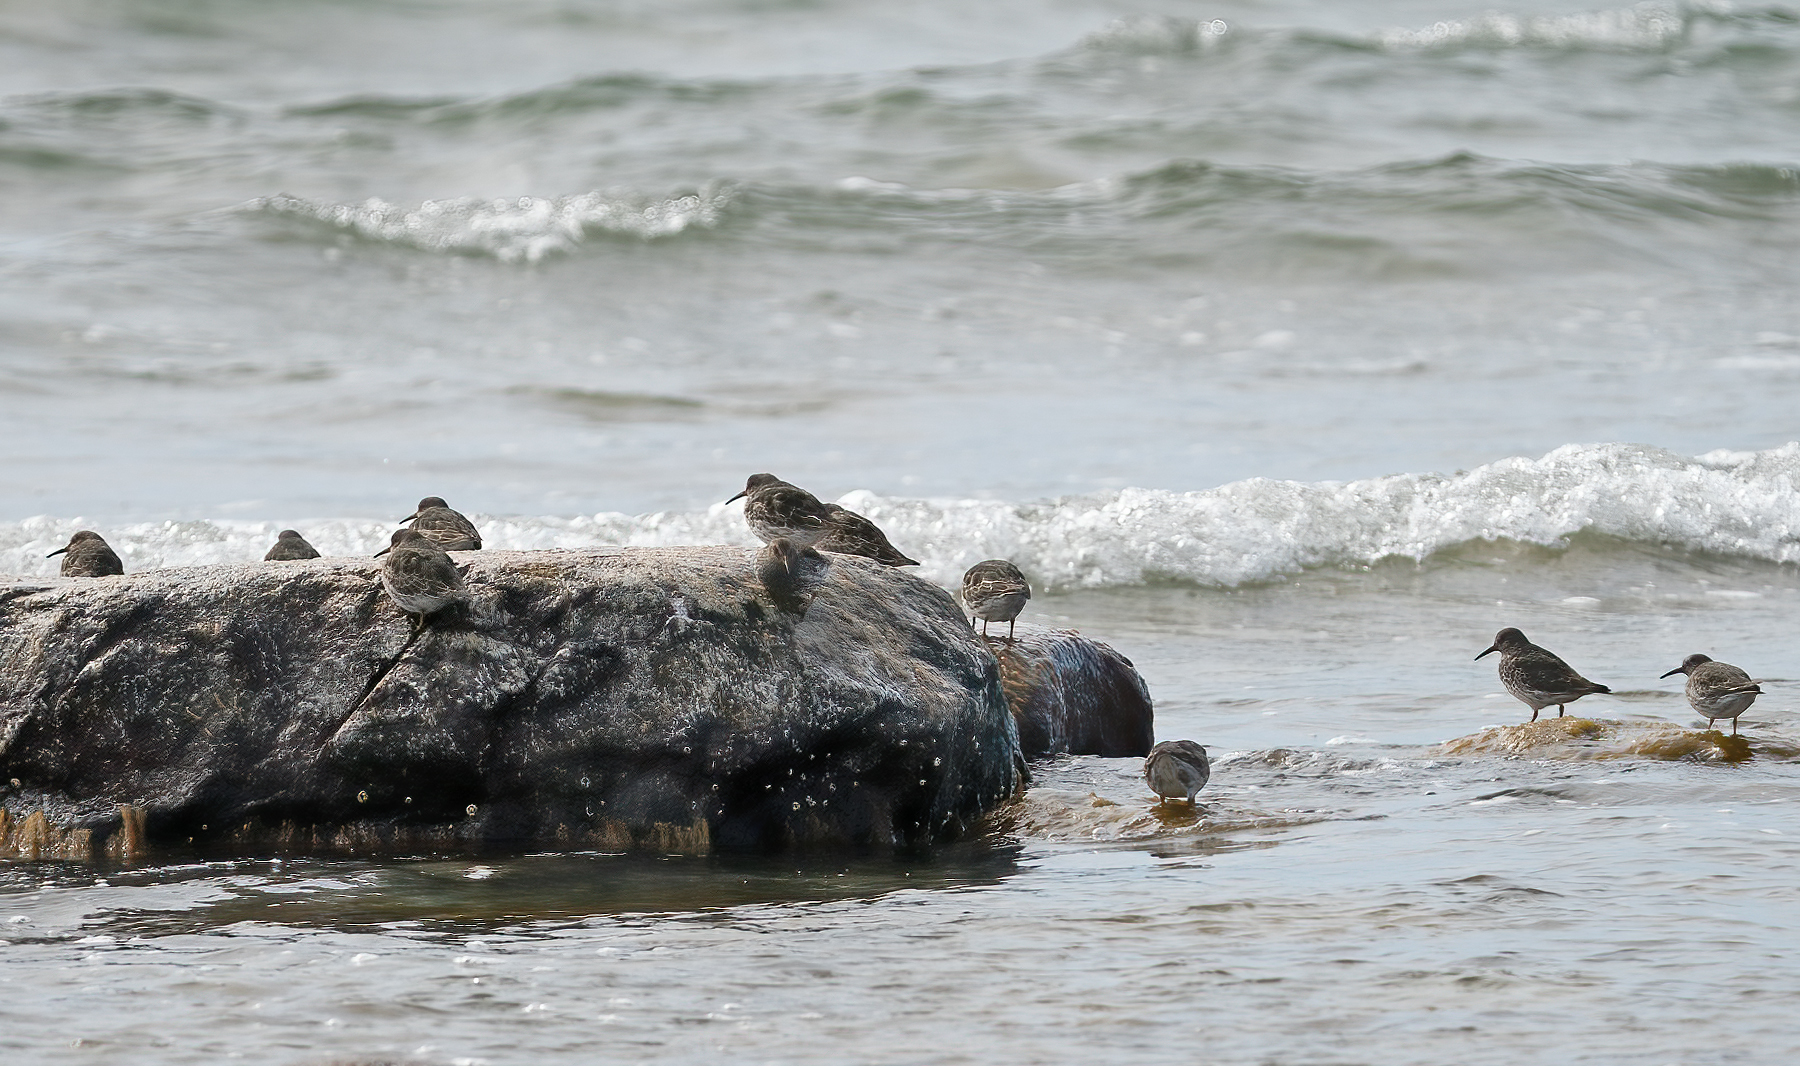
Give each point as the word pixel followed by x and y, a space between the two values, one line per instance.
pixel 1293 348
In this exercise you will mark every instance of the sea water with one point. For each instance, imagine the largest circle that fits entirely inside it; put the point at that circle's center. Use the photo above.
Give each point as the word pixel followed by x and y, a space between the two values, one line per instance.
pixel 1291 348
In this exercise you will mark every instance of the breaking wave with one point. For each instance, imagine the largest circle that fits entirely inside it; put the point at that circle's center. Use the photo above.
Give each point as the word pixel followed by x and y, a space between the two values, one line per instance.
pixel 1730 503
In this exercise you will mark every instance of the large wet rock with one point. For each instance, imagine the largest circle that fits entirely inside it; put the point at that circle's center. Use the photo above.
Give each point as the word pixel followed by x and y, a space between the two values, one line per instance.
pixel 1074 696
pixel 627 698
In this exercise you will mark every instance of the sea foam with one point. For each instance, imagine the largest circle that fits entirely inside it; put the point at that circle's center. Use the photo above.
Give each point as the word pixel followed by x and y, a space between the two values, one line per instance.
pixel 519 229
pixel 1732 503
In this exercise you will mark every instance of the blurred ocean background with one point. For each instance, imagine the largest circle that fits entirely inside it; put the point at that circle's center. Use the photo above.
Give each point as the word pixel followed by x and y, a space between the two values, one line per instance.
pixel 1292 347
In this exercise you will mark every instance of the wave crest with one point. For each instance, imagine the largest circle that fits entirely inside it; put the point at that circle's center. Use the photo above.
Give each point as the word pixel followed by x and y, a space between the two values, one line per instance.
pixel 1729 503
pixel 1257 530
pixel 525 228
pixel 1641 27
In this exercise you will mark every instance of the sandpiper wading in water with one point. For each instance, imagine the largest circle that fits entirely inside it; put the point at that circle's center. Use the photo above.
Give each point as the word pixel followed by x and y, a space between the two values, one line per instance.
pixel 1537 677
pixel 1177 769
pixel 1717 690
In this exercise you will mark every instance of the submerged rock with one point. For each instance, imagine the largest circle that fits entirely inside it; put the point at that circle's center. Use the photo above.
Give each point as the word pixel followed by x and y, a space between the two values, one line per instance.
pixel 625 698
pixel 1074 696
pixel 1604 738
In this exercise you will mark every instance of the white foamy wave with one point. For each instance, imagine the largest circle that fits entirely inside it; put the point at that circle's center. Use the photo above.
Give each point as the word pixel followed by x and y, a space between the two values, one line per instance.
pixel 1736 503
pixel 25 545
pixel 1641 26
pixel 525 228
pixel 1729 503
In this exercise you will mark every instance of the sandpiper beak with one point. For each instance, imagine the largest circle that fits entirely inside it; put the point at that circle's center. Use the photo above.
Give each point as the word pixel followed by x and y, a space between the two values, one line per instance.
pixel 1671 673
pixel 384 551
pixel 56 553
pixel 739 496
pixel 1490 651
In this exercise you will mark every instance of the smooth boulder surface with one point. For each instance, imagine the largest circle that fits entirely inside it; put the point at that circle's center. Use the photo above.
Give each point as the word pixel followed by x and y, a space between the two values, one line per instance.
pixel 1074 696
pixel 650 698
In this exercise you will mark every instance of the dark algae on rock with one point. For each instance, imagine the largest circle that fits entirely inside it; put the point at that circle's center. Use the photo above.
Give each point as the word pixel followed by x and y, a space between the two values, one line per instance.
pixel 614 699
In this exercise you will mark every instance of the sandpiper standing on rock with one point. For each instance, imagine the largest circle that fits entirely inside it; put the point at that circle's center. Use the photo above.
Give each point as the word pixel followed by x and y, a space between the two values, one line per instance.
pixel 995 591
pixel 1177 769
pixel 790 574
pixel 289 544
pixel 1535 676
pixel 448 529
pixel 849 533
pixel 775 509
pixel 418 575
pixel 1717 690
pixel 88 555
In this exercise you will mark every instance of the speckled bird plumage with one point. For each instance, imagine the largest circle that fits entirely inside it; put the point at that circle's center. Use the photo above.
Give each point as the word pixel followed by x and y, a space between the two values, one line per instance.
pixel 88 555
pixel 447 529
pixel 994 590
pixel 775 509
pixel 1177 769
pixel 1717 690
pixel 1536 676
pixel 289 544
pixel 419 576
pixel 849 533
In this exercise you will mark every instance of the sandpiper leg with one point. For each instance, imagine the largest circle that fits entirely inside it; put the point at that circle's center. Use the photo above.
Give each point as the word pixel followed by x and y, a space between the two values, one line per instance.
pixel 1534 712
pixel 1009 629
pixel 1559 710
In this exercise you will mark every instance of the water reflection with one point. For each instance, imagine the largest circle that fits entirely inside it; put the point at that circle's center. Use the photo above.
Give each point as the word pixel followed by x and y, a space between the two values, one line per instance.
pixel 441 896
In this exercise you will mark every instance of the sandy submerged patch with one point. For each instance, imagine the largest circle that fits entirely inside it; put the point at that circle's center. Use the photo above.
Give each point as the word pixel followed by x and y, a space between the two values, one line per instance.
pixel 1066 816
pixel 1598 738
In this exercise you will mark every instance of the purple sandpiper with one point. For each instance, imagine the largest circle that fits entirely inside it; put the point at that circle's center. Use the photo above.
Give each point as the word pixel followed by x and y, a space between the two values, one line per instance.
pixel 1177 769
pixel 448 529
pixel 418 576
pixel 88 555
pixel 289 544
pixel 995 591
pixel 1717 690
pixel 1536 676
